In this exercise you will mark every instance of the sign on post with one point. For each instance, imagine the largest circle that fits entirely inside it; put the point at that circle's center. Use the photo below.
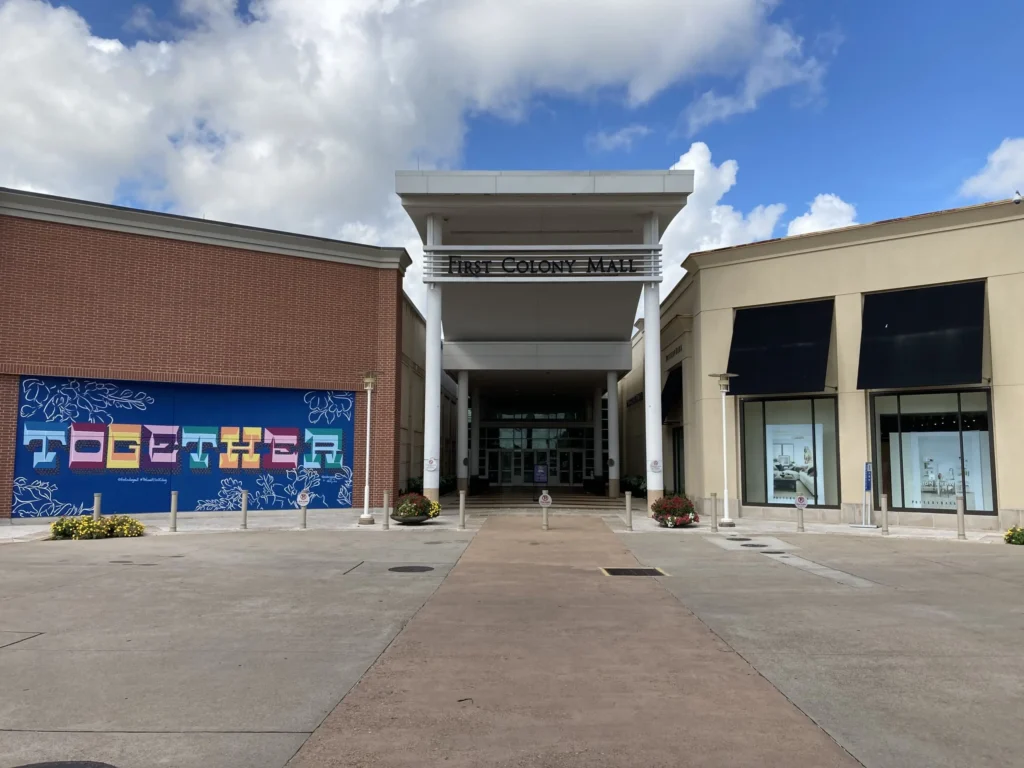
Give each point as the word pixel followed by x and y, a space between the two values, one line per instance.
pixel 867 477
pixel 545 499
pixel 540 473
pixel 801 502
pixel 303 499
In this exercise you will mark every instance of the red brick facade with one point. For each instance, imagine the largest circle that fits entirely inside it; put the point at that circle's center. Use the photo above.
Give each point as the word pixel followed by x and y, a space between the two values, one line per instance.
pixel 83 301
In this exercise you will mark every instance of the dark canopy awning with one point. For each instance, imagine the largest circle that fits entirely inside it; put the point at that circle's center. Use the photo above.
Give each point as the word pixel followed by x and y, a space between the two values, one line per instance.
pixel 672 397
pixel 781 348
pixel 923 337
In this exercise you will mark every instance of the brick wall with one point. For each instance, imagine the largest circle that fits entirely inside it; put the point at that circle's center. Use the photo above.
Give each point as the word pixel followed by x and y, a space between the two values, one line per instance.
pixel 78 301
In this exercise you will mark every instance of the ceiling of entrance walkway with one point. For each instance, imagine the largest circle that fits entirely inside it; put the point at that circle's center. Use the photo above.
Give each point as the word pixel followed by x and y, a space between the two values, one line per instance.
pixel 534 384
pixel 565 311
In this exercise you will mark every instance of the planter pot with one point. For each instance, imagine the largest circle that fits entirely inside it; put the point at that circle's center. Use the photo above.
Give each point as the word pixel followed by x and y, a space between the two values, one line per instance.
pixel 675 523
pixel 415 520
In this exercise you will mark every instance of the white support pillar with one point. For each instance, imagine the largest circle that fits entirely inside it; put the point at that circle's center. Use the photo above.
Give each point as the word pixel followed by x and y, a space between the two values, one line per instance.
pixel 432 379
pixel 598 449
pixel 652 377
pixel 613 434
pixel 462 437
pixel 474 459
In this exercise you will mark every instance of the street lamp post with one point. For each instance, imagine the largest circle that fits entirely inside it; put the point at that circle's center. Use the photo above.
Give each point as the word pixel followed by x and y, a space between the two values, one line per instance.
pixel 369 381
pixel 723 386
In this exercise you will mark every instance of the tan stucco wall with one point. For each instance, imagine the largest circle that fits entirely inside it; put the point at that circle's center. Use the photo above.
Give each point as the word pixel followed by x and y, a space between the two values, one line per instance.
pixel 984 242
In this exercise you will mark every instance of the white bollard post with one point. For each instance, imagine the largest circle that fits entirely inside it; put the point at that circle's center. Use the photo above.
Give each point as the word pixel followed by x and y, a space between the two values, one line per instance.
pixel 174 511
pixel 387 510
pixel 629 510
pixel 961 532
pixel 714 513
pixel 544 518
pixel 97 499
pixel 885 514
pixel 462 510
pixel 303 523
pixel 800 519
pixel 245 510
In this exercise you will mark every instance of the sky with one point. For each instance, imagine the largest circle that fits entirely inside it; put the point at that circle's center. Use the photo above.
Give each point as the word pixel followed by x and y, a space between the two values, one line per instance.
pixel 796 116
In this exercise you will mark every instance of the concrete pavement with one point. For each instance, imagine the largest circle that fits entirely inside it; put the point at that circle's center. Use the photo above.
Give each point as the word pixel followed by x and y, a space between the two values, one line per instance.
pixel 528 655
pixel 196 651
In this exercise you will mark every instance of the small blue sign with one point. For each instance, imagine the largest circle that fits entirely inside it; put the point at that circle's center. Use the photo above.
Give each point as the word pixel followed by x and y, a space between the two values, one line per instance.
pixel 867 476
pixel 540 473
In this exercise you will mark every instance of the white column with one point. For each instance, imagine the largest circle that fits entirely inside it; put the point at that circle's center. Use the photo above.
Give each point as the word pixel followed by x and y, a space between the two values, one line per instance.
pixel 598 453
pixel 474 459
pixel 462 437
pixel 613 434
pixel 652 377
pixel 432 379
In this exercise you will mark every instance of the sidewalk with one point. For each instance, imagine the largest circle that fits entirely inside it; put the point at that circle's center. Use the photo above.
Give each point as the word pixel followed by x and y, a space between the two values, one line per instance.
pixel 644 524
pixel 528 655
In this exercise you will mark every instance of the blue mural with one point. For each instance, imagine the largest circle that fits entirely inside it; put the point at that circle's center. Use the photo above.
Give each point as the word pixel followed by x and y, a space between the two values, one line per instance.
pixel 135 442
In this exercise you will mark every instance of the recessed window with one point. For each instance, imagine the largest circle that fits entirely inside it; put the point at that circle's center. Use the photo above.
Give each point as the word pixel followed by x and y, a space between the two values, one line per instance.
pixel 790 448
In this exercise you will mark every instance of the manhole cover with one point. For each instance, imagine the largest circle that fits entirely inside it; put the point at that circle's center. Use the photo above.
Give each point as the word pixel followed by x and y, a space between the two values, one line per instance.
pixel 433 542
pixel 73 764
pixel 736 538
pixel 633 571
pixel 122 562
pixel 755 545
pixel 773 552
pixel 411 568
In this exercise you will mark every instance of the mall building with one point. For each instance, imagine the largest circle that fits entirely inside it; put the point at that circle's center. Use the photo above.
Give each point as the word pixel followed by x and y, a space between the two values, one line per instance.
pixel 146 353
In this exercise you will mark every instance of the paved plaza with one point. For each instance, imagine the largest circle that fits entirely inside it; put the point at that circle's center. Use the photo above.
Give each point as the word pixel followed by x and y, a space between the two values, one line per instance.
pixel 302 648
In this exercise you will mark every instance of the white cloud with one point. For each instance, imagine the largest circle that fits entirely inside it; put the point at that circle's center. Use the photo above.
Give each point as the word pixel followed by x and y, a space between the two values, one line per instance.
pixel 826 212
pixel 297 117
pixel 1002 174
pixel 620 139
pixel 780 63
pixel 705 223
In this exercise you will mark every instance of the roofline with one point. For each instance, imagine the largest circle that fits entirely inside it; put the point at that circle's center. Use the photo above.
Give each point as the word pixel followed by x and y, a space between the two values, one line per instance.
pixel 115 218
pixel 888 229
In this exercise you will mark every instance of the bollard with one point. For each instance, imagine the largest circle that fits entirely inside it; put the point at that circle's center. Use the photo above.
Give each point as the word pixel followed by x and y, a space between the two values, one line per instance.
pixel 174 511
pixel 629 510
pixel 961 533
pixel 96 499
pixel 800 519
pixel 544 518
pixel 714 512
pixel 245 509
pixel 462 510
pixel 885 514
pixel 303 523
pixel 387 510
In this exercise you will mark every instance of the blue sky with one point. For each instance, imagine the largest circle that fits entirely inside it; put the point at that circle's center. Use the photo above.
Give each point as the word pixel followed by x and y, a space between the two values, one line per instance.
pixel 297 114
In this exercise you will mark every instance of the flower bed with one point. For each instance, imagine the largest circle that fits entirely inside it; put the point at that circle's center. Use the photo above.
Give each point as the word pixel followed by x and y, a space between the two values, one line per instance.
pixel 674 512
pixel 415 508
pixel 1014 536
pixel 113 527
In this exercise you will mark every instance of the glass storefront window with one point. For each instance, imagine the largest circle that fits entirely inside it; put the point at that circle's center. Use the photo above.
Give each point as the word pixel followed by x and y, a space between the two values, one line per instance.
pixel 790 449
pixel 932 446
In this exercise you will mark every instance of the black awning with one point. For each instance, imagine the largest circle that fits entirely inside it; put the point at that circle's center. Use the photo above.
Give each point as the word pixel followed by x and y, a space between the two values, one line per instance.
pixel 924 337
pixel 781 348
pixel 672 397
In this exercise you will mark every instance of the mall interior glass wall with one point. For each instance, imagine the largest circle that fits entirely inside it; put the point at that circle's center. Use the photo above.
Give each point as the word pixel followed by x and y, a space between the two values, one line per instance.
pixel 930 446
pixel 790 448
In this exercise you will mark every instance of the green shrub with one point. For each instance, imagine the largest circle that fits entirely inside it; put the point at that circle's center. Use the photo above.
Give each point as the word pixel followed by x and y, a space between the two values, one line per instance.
pixel 115 526
pixel 674 511
pixel 415 505
pixel 1014 536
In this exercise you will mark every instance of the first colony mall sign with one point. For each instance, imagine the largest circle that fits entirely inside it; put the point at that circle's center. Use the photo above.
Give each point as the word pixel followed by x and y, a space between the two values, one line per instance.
pixel 513 266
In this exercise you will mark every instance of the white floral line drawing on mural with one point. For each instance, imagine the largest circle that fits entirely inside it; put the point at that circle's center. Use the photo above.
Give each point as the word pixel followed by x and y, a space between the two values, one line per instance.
pixel 35 498
pixel 329 405
pixel 78 400
pixel 273 495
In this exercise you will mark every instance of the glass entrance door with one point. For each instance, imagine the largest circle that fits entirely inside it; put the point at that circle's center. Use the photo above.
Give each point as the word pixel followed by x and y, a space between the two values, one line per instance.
pixel 570 467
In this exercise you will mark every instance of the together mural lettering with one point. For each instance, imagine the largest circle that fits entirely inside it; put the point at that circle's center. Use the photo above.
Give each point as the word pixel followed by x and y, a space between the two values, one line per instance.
pixel 72 444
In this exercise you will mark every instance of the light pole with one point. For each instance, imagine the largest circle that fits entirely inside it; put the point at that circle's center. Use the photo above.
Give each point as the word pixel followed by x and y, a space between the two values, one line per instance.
pixel 723 386
pixel 369 381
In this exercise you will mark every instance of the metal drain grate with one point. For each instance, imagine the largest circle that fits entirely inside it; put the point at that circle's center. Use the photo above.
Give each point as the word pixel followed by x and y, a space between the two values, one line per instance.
pixel 754 545
pixel 411 568
pixel 737 538
pixel 633 572
pixel 773 552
